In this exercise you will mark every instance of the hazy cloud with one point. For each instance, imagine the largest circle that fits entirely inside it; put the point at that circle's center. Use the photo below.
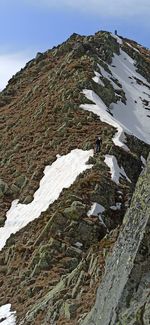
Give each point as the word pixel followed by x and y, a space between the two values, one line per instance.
pixel 9 65
pixel 109 8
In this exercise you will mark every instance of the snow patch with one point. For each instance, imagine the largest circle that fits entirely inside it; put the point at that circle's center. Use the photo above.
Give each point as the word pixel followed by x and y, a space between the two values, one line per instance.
pixel 7 317
pixel 133 47
pixel 97 79
pixel 130 117
pixel 116 171
pixel 78 244
pixel 108 76
pixel 100 109
pixel 58 156
pixel 61 174
pixel 143 160
pixel 96 210
pixel 116 207
pixel 119 40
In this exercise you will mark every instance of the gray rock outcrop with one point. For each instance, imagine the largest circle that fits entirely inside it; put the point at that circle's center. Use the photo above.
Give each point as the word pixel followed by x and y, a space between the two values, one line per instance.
pixel 123 297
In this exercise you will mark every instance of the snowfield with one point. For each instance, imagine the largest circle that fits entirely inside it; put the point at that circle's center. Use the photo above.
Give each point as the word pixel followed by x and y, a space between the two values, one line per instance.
pixel 131 117
pixel 61 174
pixel 7 317
pixel 102 111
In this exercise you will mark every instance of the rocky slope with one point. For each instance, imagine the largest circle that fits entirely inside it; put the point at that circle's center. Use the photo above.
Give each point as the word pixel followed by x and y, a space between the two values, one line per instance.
pixel 50 269
pixel 124 294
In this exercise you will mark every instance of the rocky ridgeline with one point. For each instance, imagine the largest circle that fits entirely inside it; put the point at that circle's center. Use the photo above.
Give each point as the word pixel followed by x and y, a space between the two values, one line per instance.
pixel 43 274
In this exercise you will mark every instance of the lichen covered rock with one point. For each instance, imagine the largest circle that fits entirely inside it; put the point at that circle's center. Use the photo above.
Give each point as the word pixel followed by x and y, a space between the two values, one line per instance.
pixel 124 295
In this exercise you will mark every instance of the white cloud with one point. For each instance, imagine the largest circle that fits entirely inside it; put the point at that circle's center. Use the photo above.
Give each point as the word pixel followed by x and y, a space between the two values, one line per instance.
pixel 9 65
pixel 109 8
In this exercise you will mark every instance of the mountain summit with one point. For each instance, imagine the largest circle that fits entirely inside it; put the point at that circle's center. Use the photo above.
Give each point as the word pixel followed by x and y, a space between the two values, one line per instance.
pixel 61 203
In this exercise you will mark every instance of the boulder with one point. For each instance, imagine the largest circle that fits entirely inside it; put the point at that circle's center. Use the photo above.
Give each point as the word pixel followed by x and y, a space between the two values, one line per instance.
pixel 21 181
pixel 28 199
pixel 14 189
pixel 78 50
pixel 3 188
pixel 88 232
pixel 70 310
pixel 75 211
pixel 71 263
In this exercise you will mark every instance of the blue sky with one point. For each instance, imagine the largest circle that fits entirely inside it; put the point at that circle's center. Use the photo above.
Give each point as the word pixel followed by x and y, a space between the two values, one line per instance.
pixel 29 26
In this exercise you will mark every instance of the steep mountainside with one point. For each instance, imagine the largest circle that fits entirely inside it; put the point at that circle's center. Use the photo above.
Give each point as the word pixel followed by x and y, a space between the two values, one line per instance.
pixel 56 234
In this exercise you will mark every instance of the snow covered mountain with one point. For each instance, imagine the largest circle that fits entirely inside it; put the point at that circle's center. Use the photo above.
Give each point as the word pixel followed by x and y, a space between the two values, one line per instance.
pixel 56 229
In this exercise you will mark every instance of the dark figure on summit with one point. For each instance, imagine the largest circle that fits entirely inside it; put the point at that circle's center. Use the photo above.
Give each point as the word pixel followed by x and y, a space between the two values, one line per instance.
pixel 98 144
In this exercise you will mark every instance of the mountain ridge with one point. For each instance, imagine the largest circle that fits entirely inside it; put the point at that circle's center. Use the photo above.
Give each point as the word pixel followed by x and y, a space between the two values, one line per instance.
pixel 41 117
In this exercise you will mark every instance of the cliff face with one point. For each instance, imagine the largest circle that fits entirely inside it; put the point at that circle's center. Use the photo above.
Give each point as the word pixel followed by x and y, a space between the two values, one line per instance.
pixel 123 297
pixel 62 204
